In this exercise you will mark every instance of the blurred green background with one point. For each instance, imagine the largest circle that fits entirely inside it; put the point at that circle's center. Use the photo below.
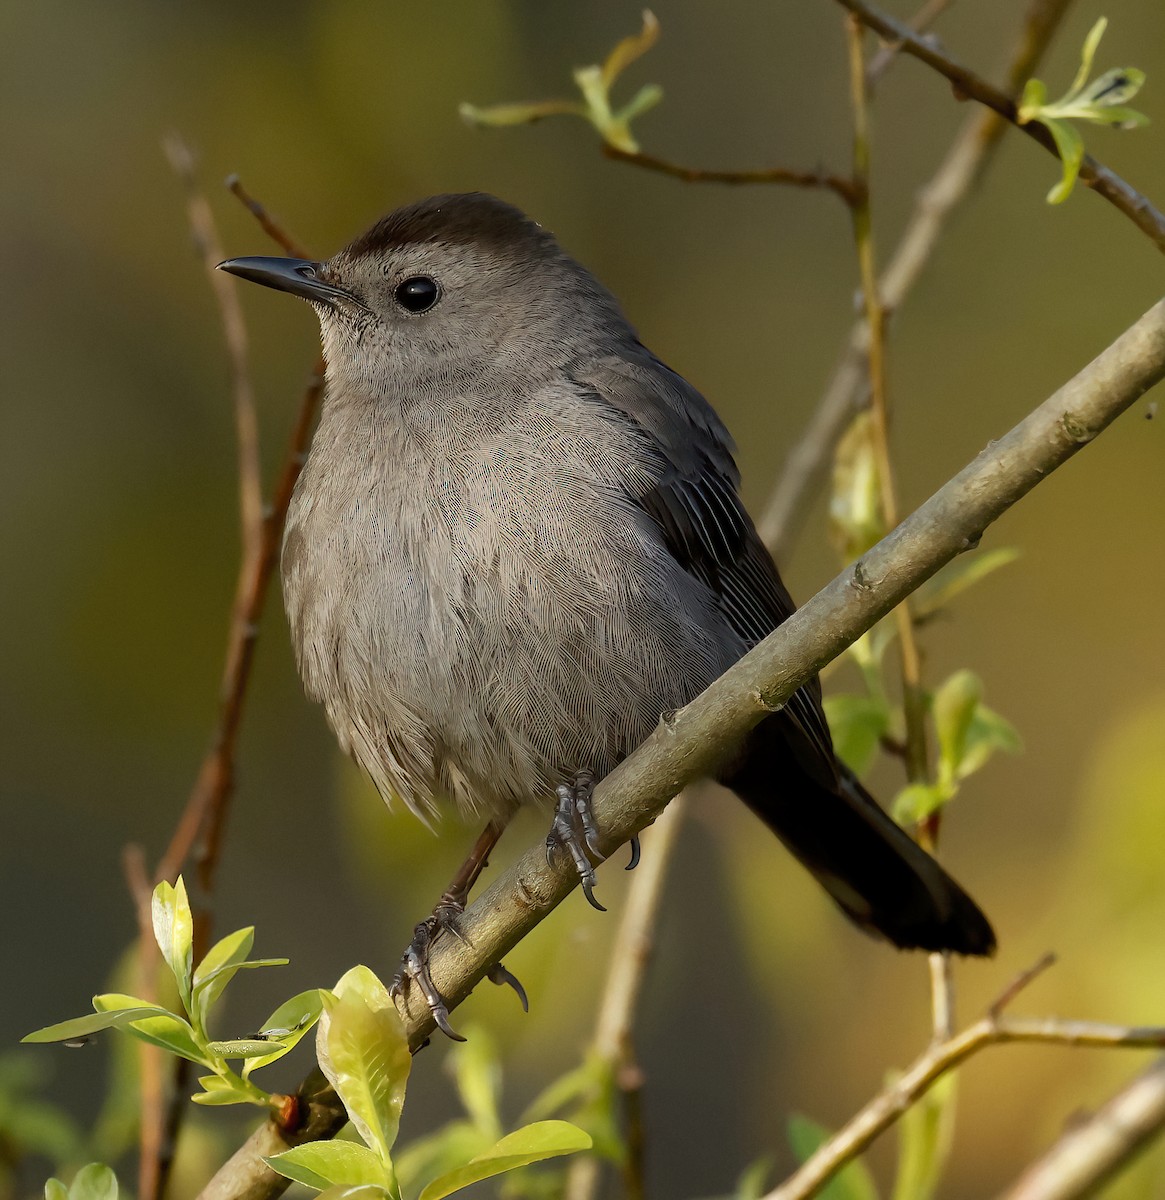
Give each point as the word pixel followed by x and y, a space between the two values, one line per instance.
pixel 119 529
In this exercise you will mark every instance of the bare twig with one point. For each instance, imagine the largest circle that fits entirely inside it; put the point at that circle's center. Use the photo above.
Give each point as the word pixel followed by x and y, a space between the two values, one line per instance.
pixel 837 184
pixel 209 248
pixel 920 23
pixel 888 1105
pixel 270 226
pixel 694 741
pixel 613 1041
pixel 1096 175
pixel 807 462
pixel 1093 1151
pixel 203 818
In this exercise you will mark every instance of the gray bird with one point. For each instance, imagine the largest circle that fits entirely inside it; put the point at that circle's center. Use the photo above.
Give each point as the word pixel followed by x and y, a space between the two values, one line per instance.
pixel 517 541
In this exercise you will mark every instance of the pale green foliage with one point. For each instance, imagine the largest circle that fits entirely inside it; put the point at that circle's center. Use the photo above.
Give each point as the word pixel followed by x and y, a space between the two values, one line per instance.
pixel 93 1182
pixel 594 82
pixel 969 733
pixel 1104 101
pixel 924 1141
pixel 852 1182
pixel 363 1049
pixel 199 988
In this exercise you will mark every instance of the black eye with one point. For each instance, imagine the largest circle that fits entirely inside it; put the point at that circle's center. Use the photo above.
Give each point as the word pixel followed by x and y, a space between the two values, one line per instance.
pixel 417 294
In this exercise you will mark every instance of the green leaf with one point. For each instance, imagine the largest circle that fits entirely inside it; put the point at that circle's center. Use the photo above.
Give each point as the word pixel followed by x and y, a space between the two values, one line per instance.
pixel 361 1191
pixel 220 1091
pixel 94 1182
pixel 326 1164
pixel 427 1157
pixel 519 114
pixel 241 1048
pixel 363 1050
pixel 753 1179
pixel 631 48
pixel 924 1141
pixel 855 501
pixel 858 724
pixel 957 576
pixel 852 1182
pixel 988 733
pixel 174 933
pixel 577 1084
pixel 533 1143
pixel 216 970
pixel 478 1076
pixel 83 1027
pixel 1112 90
pixel 167 1030
pixel 54 1189
pixel 954 705
pixel 287 1024
pixel 917 801
pixel 1070 146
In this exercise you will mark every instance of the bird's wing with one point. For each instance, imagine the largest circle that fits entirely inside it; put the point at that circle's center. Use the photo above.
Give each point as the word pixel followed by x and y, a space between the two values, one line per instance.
pixel 703 524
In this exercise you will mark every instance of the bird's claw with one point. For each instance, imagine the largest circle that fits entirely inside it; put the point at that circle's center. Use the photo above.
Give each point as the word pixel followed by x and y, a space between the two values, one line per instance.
pixel 574 830
pixel 414 966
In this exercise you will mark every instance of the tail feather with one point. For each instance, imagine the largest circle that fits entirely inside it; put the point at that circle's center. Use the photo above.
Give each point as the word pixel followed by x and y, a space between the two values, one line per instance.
pixel 873 870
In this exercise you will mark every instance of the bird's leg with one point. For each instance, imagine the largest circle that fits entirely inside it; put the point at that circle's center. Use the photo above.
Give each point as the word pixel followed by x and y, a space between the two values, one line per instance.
pixel 574 830
pixel 414 963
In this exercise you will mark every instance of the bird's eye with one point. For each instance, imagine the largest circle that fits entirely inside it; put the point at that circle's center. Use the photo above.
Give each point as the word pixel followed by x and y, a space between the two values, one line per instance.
pixel 417 294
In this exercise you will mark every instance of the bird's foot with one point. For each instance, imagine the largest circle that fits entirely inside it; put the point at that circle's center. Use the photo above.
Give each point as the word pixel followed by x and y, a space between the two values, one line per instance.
pixel 414 965
pixel 574 830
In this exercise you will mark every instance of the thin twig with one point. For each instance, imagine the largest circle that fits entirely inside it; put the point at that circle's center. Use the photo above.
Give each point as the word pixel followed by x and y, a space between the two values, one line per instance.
pixel 210 251
pixel 837 184
pixel 920 23
pixel 885 1108
pixel 1105 182
pixel 270 226
pixel 807 463
pixel 917 758
pixel 203 818
pixel 1092 1152
pixel 613 1041
pixel 693 742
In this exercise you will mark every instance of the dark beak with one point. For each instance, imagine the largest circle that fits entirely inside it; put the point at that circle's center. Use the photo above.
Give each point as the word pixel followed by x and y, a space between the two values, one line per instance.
pixel 294 275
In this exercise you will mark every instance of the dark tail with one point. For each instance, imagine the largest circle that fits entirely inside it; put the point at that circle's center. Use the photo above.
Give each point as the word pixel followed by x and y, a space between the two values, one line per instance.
pixel 875 872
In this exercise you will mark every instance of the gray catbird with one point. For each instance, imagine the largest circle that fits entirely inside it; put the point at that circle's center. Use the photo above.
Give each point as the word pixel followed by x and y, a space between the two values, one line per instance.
pixel 517 541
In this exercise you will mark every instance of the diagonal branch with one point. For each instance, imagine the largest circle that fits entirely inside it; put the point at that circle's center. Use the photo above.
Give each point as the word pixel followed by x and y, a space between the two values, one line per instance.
pixel 693 741
pixel 1089 1154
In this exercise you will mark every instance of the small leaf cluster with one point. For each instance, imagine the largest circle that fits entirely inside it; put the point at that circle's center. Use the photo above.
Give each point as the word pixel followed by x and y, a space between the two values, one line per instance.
pixel 595 82
pixel 95 1181
pixel 200 988
pixel 1104 101
pixel 363 1050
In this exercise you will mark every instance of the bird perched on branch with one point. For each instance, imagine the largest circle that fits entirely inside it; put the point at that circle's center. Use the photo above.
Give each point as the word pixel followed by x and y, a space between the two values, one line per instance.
pixel 517 541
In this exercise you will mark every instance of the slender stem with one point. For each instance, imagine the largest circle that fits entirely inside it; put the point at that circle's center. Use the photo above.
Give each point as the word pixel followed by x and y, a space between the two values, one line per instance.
pixel 922 20
pixel 614 1030
pixel 837 184
pixel 807 463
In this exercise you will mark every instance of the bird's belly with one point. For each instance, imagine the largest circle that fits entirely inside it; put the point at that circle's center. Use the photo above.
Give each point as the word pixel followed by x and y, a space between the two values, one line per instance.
pixel 486 672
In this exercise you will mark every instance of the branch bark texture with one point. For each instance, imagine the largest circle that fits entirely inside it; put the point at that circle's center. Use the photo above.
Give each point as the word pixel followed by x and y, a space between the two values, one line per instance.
pixel 1090 1154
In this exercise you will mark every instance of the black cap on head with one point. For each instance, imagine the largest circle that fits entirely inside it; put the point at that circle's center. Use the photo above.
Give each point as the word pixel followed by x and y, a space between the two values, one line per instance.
pixel 467 218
